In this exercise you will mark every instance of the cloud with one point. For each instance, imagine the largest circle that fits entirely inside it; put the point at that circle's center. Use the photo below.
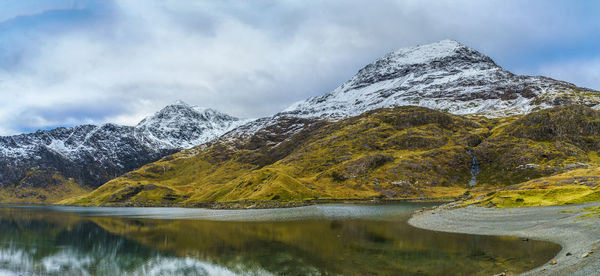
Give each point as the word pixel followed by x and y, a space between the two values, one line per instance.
pixel 15 8
pixel 105 61
pixel 584 73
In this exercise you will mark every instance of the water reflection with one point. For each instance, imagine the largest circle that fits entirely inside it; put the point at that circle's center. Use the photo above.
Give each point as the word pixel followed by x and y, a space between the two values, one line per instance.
pixel 307 241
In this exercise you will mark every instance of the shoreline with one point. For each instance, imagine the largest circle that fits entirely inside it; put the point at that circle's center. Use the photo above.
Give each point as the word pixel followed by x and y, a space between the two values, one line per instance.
pixel 257 204
pixel 564 225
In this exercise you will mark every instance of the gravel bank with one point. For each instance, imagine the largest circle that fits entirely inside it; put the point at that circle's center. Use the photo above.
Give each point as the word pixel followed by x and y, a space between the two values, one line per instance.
pixel 560 224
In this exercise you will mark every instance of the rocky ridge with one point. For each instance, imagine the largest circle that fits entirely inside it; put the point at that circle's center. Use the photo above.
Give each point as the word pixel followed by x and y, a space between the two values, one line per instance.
pixel 92 155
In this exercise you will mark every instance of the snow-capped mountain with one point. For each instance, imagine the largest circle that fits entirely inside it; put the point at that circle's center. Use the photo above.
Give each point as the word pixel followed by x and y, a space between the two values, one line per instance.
pixel 184 126
pixel 445 75
pixel 94 154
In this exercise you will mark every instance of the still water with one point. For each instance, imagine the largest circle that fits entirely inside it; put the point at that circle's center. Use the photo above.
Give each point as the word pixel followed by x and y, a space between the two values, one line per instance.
pixel 334 239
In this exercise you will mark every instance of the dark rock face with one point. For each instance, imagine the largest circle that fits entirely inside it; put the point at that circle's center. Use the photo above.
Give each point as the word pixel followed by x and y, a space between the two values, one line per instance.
pixel 92 155
pixel 101 154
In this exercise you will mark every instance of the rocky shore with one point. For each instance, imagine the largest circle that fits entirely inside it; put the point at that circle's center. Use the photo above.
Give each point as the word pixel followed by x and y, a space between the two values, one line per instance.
pixel 579 235
pixel 263 204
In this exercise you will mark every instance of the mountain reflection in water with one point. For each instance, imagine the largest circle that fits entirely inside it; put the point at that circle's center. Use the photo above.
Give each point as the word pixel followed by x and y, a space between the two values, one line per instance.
pixel 316 240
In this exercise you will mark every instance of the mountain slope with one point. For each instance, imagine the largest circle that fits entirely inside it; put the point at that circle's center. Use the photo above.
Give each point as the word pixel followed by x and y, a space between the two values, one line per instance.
pixel 88 156
pixel 254 167
pixel 403 152
pixel 446 76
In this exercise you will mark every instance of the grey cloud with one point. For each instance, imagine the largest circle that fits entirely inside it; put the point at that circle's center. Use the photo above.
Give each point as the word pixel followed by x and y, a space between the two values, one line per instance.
pixel 249 59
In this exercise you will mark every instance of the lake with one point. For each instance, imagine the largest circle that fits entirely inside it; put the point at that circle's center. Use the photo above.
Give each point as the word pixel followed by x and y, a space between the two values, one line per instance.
pixel 333 239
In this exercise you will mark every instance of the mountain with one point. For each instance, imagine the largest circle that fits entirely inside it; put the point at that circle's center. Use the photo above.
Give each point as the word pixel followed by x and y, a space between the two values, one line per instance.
pixel 361 141
pixel 402 152
pixel 446 76
pixel 49 164
pixel 181 126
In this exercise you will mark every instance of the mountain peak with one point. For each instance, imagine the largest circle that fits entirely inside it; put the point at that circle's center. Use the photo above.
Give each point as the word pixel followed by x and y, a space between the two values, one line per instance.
pixel 444 53
pixel 181 108
pixel 445 75
pixel 181 124
pixel 426 53
pixel 442 58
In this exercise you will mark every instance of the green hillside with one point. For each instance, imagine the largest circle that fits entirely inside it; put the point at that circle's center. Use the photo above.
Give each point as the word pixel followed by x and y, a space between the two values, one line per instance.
pixel 53 188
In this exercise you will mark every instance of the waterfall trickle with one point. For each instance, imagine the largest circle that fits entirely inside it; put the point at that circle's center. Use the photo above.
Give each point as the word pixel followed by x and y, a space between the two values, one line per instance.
pixel 474 169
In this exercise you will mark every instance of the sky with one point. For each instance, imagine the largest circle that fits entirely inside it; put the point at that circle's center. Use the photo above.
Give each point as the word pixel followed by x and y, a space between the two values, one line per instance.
pixel 64 63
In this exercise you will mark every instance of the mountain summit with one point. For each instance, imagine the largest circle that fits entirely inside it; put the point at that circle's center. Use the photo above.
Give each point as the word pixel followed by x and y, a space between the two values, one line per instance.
pixel 446 76
pixel 183 126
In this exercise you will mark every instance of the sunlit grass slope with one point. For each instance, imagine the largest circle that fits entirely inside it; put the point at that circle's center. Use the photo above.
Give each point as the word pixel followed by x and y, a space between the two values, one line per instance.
pixel 542 143
pixel 55 188
pixel 575 186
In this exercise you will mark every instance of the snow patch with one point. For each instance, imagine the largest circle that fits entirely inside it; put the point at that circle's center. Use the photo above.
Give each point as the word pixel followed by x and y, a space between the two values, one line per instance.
pixel 446 76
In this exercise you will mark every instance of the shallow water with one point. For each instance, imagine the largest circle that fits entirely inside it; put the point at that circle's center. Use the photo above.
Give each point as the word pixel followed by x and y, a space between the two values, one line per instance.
pixel 331 239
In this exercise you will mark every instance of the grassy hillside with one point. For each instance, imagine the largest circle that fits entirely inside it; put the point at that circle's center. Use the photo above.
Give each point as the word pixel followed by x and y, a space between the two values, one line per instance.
pixel 404 152
pixel 540 144
pixel 575 186
pixel 55 188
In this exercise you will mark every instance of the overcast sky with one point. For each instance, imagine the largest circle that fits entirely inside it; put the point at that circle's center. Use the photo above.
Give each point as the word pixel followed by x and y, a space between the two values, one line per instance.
pixel 64 63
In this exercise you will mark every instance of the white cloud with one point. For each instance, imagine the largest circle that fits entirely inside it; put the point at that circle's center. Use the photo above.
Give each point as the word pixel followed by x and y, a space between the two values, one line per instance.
pixel 249 59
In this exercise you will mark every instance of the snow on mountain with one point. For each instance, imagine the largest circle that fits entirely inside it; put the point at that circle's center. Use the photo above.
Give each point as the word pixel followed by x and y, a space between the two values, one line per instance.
pixel 447 76
pixel 94 154
pixel 184 126
pixel 177 126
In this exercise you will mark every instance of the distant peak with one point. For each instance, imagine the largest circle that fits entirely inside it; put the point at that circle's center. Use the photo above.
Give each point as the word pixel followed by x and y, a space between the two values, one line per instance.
pixel 181 112
pixel 180 102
